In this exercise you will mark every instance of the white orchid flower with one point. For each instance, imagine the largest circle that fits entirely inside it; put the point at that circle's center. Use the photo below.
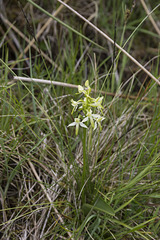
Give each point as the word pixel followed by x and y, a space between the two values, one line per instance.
pixel 89 117
pixel 77 123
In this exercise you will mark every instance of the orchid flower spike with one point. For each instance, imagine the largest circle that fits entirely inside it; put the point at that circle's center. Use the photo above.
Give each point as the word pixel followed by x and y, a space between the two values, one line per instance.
pixel 86 105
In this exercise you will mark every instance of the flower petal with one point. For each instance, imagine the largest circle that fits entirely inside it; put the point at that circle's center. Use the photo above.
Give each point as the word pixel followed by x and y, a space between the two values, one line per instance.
pixel 87 83
pixel 72 124
pixel 80 89
pixel 83 125
pixel 95 126
pixel 85 119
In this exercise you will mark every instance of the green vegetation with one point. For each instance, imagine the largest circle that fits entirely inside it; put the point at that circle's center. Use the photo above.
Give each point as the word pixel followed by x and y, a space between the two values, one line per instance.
pixel 100 182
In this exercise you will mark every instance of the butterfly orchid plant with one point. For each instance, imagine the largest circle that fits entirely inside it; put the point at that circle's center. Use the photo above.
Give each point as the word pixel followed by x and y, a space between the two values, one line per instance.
pixel 90 116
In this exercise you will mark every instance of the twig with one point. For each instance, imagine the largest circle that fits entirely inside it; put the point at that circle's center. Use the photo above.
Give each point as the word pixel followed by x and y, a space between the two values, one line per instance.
pixel 72 86
pixel 45 81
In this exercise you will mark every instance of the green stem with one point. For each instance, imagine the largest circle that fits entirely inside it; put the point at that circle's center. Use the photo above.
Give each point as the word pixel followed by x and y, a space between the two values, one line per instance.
pixel 85 163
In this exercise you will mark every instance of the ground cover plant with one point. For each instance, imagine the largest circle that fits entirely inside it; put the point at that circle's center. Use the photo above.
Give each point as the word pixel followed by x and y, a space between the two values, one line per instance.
pixel 80 119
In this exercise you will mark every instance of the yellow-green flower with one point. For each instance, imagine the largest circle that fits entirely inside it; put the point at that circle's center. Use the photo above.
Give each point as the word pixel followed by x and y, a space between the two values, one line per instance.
pixel 75 105
pixel 97 103
pixel 85 105
pixel 98 119
pixel 86 91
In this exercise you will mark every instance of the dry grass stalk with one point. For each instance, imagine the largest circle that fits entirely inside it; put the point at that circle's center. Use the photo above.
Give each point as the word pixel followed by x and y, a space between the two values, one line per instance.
pixel 31 43
pixel 112 41
pixel 150 17
pixel 34 46
pixel 47 195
